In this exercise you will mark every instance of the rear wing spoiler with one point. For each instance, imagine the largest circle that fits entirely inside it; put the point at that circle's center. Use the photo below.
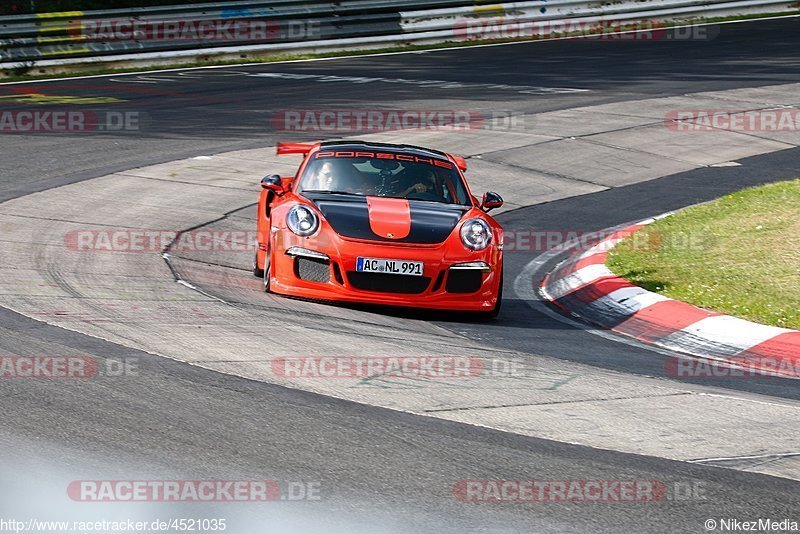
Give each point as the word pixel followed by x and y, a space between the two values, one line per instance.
pixel 460 162
pixel 294 148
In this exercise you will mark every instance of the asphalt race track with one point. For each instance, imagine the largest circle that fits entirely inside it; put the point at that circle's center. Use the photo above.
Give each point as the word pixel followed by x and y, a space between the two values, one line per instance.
pixel 381 469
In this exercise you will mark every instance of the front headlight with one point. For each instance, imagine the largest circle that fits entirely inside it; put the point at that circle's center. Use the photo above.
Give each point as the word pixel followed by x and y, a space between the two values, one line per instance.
pixel 476 234
pixel 302 220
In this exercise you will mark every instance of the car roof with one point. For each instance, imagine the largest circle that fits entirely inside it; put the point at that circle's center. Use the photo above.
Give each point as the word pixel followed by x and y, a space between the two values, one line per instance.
pixel 367 145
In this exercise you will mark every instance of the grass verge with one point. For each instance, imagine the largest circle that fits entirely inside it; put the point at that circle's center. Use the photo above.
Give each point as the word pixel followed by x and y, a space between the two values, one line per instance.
pixel 738 255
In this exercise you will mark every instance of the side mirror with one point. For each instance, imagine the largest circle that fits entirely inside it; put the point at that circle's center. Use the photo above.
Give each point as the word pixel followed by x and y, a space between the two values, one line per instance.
pixel 491 201
pixel 273 183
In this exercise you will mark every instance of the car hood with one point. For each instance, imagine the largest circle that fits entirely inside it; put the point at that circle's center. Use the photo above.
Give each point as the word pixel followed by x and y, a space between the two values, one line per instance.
pixel 390 220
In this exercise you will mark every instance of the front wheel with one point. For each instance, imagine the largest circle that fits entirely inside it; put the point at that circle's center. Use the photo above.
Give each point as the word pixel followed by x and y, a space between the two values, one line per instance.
pixel 258 272
pixel 267 272
pixel 496 310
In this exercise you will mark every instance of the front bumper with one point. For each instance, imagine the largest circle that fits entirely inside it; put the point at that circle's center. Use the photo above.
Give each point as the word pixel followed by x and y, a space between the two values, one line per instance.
pixel 325 269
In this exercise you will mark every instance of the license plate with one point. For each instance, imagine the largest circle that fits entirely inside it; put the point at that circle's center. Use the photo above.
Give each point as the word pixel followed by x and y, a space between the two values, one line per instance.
pixel 376 265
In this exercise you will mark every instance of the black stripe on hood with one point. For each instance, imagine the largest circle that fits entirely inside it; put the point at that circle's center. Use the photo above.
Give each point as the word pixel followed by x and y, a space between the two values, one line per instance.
pixel 431 223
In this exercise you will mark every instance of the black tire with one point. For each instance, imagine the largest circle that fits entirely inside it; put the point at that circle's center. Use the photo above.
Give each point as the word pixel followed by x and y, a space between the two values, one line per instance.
pixel 496 310
pixel 257 272
pixel 267 272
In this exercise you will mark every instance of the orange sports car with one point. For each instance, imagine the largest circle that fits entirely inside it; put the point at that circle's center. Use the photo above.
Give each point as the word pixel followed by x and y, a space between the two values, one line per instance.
pixel 379 224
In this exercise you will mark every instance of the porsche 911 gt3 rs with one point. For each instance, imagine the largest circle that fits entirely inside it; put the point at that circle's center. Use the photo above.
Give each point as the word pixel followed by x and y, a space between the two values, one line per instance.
pixel 379 224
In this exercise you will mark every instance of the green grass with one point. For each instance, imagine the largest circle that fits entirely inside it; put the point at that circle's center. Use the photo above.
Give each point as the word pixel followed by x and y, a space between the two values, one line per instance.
pixel 738 255
pixel 24 74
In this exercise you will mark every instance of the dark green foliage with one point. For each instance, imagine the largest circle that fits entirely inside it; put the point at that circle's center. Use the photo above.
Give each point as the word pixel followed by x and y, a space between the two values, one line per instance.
pixel 21 7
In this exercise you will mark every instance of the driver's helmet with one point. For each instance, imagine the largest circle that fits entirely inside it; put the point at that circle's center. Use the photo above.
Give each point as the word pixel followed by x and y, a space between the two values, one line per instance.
pixel 338 176
pixel 324 176
pixel 426 178
pixel 429 179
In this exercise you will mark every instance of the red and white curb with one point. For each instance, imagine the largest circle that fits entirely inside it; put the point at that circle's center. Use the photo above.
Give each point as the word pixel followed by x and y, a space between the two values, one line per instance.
pixel 584 287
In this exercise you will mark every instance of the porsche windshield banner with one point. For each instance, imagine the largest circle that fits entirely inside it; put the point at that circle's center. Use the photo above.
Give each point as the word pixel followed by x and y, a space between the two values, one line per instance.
pixel 384 155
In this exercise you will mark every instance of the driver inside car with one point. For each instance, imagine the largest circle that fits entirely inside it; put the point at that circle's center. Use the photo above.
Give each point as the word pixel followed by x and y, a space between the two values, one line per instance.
pixel 324 177
pixel 425 183
pixel 342 177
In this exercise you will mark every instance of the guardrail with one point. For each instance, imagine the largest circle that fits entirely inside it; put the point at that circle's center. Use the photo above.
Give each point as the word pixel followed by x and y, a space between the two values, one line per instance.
pixel 656 11
pixel 196 26
pixel 253 26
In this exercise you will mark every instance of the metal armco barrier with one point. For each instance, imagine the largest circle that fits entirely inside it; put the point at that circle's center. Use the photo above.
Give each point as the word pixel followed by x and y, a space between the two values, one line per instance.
pixel 292 24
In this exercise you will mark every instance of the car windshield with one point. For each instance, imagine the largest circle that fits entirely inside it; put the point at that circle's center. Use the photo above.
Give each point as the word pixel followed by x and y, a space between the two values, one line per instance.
pixel 384 174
